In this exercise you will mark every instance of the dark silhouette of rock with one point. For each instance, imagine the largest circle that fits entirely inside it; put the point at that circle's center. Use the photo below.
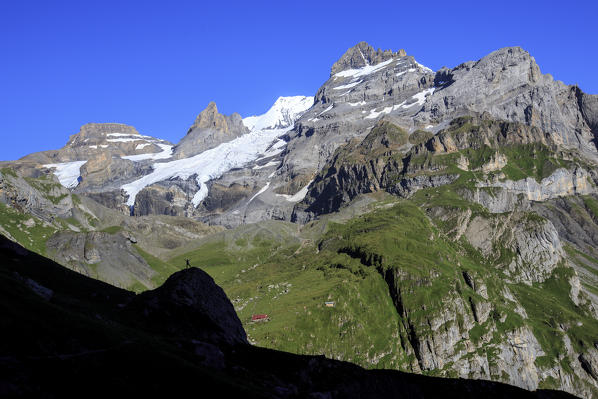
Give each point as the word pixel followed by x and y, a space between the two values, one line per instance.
pixel 190 304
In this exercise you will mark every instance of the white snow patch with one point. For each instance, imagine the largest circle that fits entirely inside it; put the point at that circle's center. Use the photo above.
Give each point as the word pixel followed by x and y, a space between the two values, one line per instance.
pixel 164 154
pixel 429 126
pixel 259 192
pixel 357 103
pixel 284 113
pixel 366 70
pixel 274 149
pixel 68 173
pixel 326 110
pixel 421 96
pixel 141 146
pixel 348 86
pixel 124 140
pixel 271 163
pixel 363 58
pixel 425 68
pixel 298 196
pixel 93 146
pixel 130 135
pixel 373 114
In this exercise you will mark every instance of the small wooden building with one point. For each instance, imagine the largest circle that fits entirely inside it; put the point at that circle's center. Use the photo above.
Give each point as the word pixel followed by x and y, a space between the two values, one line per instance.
pixel 259 317
pixel 329 304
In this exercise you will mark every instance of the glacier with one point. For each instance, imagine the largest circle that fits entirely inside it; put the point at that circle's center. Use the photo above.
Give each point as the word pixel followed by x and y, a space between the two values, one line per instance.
pixel 68 173
pixel 262 140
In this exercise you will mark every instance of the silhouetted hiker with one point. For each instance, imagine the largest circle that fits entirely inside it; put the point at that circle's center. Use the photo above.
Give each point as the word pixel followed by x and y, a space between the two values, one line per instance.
pixel 188 264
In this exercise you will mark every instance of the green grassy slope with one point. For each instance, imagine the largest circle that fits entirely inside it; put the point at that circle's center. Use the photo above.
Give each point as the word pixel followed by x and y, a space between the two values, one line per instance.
pixel 350 263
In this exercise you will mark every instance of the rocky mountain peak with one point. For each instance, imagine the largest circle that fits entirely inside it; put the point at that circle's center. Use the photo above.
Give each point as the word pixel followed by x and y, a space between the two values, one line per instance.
pixel 100 130
pixel 210 129
pixel 362 54
pixel 210 118
pixel 509 57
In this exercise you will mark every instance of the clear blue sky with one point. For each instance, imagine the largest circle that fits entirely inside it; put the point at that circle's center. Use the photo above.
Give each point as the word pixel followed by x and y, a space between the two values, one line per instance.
pixel 156 65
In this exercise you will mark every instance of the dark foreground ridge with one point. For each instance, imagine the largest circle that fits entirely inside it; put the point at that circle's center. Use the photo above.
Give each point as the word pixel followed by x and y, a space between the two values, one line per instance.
pixel 65 334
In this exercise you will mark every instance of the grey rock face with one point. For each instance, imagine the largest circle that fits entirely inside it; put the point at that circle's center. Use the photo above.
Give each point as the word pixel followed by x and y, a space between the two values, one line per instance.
pixel 223 197
pixel 589 109
pixel 538 249
pixel 507 195
pixel 517 356
pixel 16 192
pixel 209 130
pixel 589 362
pixel 497 200
pixel 111 199
pixel 505 85
pixel 442 340
pixel 407 187
pixel 534 243
pixel 356 168
pixel 561 183
pixel 509 86
pixel 400 168
pixel 166 198
pixel 348 105
pixel 108 257
pixel 362 55
pixel 573 225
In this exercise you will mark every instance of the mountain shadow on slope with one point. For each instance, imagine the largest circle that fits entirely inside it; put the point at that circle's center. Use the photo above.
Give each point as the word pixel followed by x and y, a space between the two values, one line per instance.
pixel 66 334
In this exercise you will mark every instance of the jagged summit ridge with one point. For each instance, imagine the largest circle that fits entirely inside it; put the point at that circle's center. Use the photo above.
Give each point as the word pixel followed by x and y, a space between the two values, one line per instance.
pixel 210 118
pixel 210 129
pixel 361 55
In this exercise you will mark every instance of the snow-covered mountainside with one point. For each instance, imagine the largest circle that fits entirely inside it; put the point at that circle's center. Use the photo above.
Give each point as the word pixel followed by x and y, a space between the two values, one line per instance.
pixel 283 114
pixel 262 141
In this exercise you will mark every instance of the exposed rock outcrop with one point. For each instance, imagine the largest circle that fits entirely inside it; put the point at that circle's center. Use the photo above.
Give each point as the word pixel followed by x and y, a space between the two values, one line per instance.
pixel 108 257
pixel 190 305
pixel 46 199
pixel 166 198
pixel 209 129
pixel 362 55
pixel 559 184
